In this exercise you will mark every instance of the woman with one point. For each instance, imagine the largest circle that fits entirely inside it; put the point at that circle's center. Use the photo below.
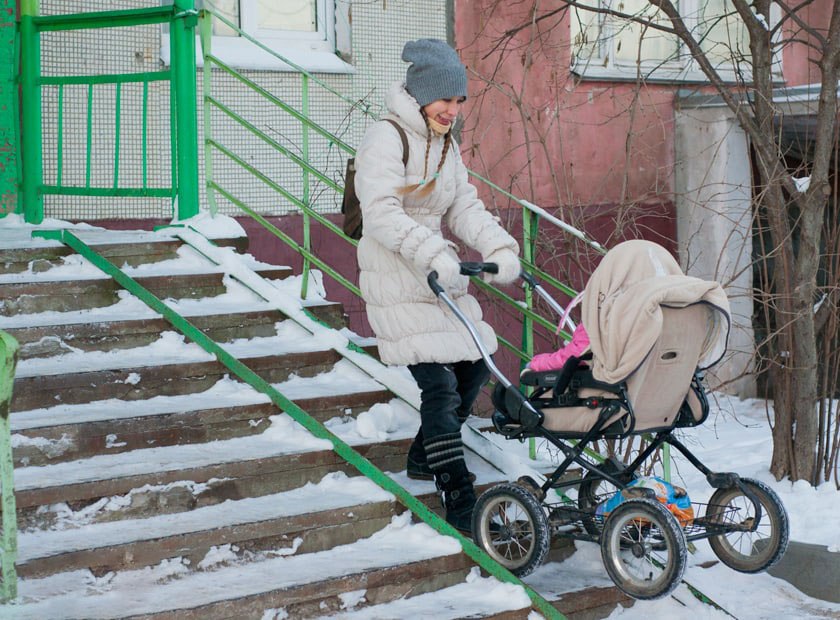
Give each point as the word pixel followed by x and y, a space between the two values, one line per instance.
pixel 403 208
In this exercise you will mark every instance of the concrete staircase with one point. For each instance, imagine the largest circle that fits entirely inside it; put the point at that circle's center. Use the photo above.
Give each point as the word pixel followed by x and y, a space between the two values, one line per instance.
pixel 151 484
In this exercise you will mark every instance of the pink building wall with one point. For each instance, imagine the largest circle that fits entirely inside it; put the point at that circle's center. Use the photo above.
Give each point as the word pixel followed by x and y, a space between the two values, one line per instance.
pixel 589 143
pixel 801 59
pixel 601 143
pixel 600 154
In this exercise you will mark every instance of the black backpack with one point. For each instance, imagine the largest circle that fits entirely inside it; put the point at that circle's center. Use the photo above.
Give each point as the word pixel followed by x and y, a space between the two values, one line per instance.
pixel 350 202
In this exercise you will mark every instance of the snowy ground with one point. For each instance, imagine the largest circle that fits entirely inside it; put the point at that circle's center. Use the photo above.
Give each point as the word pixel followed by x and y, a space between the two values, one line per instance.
pixel 736 437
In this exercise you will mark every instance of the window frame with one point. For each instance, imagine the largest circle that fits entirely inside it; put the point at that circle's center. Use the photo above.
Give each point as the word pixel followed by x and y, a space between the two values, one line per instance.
pixel 684 68
pixel 327 50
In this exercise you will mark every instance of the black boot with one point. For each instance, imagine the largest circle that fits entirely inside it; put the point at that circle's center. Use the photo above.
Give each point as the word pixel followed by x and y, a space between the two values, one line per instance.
pixel 458 495
pixel 416 466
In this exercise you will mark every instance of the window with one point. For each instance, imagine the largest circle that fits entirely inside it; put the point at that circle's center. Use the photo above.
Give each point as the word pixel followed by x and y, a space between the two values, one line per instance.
pixel 313 34
pixel 609 47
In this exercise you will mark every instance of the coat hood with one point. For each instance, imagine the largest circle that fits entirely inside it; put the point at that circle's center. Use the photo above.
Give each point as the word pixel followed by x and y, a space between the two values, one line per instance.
pixel 400 104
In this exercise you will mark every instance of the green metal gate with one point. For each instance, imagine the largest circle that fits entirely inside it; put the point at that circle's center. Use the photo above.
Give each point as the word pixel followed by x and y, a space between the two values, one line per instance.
pixel 114 119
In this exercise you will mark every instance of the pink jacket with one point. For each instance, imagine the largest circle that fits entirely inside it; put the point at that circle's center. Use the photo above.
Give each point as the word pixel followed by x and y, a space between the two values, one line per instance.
pixel 555 361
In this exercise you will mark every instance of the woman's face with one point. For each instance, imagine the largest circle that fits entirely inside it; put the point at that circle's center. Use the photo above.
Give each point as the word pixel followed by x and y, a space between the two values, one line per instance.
pixel 444 111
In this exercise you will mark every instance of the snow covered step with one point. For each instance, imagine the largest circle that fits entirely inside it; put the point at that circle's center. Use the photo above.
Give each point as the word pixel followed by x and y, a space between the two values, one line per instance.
pixel 170 365
pixel 141 382
pixel 105 334
pixel 336 510
pixel 476 597
pixel 342 381
pixel 147 482
pixel 65 439
pixel 41 255
pixel 35 293
pixel 401 559
pixel 19 252
pixel 282 457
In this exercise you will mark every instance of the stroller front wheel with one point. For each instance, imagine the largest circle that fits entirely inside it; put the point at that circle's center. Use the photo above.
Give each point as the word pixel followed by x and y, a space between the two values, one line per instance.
pixel 733 512
pixel 594 489
pixel 510 525
pixel 643 548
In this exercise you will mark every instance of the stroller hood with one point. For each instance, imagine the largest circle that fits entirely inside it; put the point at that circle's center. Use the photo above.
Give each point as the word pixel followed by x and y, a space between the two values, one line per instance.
pixel 622 308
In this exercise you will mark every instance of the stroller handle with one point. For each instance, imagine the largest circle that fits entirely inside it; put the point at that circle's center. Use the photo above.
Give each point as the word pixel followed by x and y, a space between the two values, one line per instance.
pixel 468 268
pixel 516 401
pixel 562 312
pixel 471 269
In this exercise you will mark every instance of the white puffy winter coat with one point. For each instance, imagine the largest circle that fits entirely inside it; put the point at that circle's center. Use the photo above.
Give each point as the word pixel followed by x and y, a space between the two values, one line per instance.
pixel 402 235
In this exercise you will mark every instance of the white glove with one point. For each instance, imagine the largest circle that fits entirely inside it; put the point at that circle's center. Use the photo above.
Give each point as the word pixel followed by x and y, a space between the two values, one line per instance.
pixel 447 269
pixel 509 266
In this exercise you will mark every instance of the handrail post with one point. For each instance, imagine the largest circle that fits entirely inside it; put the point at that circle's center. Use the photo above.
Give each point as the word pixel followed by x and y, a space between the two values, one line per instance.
pixel 530 223
pixel 182 54
pixel 8 360
pixel 32 172
pixel 205 29
pixel 9 127
pixel 307 242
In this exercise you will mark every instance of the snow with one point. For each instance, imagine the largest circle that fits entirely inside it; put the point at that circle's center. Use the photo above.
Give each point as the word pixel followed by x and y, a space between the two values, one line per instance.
pixel 735 438
pixel 173 348
pixel 225 393
pixel 486 595
pixel 802 184
pixel 283 436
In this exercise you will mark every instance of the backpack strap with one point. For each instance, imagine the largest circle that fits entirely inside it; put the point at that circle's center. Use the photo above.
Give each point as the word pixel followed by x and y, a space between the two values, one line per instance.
pixel 403 137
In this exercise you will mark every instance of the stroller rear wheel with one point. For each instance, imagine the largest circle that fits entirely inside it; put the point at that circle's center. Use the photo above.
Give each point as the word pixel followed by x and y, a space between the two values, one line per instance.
pixel 745 551
pixel 509 523
pixel 643 548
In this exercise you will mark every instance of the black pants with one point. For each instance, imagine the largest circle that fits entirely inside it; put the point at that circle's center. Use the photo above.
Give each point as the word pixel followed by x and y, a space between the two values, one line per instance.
pixel 448 392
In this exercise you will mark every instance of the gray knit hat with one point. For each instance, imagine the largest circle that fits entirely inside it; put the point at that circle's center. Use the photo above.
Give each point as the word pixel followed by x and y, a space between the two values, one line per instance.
pixel 435 72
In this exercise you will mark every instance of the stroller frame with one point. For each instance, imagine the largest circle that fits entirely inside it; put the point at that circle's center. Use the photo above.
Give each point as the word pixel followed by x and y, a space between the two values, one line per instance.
pixel 643 545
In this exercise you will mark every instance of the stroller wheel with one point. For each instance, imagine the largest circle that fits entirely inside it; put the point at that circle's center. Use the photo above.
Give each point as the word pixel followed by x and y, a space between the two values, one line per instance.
pixel 594 489
pixel 643 548
pixel 509 523
pixel 745 551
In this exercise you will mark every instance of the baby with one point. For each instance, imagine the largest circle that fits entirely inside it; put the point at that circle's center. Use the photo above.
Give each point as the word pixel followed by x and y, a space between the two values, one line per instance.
pixel 555 361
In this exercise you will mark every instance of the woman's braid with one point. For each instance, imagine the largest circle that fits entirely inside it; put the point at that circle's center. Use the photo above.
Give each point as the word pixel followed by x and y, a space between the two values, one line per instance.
pixel 428 188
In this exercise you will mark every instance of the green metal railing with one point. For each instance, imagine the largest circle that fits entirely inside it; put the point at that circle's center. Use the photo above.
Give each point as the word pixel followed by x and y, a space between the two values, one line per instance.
pixel 532 215
pixel 8 360
pixel 184 188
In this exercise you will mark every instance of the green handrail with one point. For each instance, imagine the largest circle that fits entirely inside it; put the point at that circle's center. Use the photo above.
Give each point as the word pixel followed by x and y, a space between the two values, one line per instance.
pixel 9 125
pixel 182 44
pixel 300 416
pixel 8 360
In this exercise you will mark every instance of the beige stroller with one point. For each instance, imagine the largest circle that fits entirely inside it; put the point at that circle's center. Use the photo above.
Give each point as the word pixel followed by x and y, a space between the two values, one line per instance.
pixel 652 331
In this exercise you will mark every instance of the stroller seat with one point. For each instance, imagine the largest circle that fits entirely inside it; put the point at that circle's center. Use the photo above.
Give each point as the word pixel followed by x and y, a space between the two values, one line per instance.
pixel 651 328
pixel 654 397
